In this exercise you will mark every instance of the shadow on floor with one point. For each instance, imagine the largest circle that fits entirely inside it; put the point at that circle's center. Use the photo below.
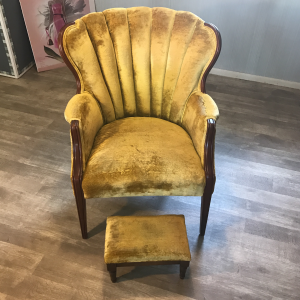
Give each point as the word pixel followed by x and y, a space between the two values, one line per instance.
pixel 133 206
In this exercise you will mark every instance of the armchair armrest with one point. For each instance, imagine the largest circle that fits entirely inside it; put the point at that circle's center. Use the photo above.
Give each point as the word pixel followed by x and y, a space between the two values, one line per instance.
pixel 84 114
pixel 199 119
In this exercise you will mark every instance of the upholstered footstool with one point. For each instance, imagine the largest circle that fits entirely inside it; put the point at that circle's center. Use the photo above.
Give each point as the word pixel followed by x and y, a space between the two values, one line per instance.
pixel 146 240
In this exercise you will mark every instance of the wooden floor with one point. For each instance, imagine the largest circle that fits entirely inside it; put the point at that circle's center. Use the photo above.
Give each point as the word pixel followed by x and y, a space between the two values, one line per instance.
pixel 252 245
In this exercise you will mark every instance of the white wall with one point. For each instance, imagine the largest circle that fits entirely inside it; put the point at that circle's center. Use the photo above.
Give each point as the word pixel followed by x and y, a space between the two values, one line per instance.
pixel 260 37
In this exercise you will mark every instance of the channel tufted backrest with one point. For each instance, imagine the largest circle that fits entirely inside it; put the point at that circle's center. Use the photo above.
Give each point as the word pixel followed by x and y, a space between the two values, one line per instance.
pixel 140 61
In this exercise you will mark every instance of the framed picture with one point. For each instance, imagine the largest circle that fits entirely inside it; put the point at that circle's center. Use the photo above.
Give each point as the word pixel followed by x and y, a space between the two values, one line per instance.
pixel 44 19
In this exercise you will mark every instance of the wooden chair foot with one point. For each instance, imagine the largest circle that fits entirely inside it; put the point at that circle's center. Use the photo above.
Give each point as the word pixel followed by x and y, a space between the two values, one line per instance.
pixel 205 204
pixel 81 208
pixel 84 235
pixel 183 267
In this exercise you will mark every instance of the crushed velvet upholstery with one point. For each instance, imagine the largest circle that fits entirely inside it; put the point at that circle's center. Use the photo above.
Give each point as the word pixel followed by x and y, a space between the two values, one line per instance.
pixel 135 63
pixel 143 156
pixel 85 108
pixel 146 238
pixel 200 107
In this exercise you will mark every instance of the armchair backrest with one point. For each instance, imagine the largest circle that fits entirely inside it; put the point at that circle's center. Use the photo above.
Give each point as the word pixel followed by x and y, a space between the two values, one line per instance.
pixel 140 61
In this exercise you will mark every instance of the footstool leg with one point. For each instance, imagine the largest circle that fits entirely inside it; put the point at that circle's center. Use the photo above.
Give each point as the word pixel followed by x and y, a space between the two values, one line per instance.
pixel 183 266
pixel 112 269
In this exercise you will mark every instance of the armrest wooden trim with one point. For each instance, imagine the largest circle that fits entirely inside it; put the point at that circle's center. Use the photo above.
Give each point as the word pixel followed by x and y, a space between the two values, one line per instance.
pixel 77 152
pixel 77 170
pixel 213 61
pixel 77 177
pixel 209 156
pixel 65 58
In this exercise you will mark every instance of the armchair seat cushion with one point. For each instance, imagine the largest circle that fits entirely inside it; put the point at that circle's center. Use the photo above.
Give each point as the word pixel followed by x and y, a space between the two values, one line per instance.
pixel 142 156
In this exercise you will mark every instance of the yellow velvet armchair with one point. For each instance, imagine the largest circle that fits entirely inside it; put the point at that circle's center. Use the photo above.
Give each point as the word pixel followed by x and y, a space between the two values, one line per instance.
pixel 141 122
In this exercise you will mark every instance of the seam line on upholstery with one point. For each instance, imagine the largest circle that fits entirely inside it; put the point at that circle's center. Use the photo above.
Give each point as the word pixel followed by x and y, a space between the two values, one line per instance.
pixel 188 44
pixel 133 76
pixel 150 56
pixel 98 59
pixel 113 47
pixel 117 62
pixel 150 110
pixel 166 63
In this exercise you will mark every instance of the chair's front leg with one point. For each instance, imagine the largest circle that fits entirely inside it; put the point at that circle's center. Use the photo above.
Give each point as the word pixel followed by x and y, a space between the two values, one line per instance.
pixel 205 204
pixel 209 149
pixel 77 177
pixel 81 208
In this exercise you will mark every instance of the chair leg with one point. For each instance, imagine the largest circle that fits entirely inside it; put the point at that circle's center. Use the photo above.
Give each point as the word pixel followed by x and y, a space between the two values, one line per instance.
pixel 205 204
pixel 112 269
pixel 183 266
pixel 81 208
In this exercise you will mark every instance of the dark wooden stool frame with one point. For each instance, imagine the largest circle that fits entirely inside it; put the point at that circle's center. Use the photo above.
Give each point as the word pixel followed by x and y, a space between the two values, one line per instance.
pixel 112 268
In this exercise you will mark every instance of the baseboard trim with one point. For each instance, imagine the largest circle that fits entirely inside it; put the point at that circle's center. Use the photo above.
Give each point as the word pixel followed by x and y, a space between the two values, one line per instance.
pixel 244 76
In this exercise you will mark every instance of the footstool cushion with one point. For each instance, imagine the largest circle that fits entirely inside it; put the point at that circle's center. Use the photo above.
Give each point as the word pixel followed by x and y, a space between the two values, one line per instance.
pixel 146 238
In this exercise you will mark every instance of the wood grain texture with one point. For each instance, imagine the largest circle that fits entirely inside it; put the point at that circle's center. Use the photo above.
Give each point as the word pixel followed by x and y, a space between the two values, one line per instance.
pixel 77 177
pixel 210 176
pixel 251 247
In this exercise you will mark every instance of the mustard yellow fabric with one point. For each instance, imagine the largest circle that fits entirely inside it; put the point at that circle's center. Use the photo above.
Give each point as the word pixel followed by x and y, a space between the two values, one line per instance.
pixel 162 24
pixel 135 63
pixel 200 46
pixel 143 156
pixel 146 238
pixel 85 108
pixel 199 108
pixel 81 53
pixel 95 23
pixel 140 61
pixel 139 20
